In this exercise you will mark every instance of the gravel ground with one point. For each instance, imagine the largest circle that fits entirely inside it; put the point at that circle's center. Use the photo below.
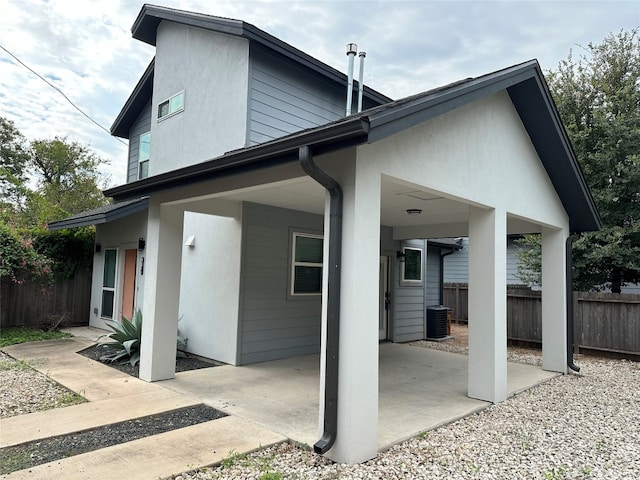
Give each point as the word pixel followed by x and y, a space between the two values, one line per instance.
pixel 25 390
pixel 578 426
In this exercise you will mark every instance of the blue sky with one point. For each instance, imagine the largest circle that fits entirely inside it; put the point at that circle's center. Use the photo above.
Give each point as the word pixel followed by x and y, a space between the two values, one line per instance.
pixel 84 47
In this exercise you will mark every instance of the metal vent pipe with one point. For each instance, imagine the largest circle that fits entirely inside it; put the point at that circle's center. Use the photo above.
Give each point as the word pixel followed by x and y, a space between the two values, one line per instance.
pixel 362 56
pixel 352 49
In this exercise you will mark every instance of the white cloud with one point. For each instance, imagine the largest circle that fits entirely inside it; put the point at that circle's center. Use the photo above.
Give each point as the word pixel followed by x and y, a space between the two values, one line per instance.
pixel 85 48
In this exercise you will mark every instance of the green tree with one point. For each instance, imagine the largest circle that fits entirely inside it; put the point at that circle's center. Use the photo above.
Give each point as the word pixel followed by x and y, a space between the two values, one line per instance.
pixel 68 177
pixel 598 98
pixel 13 158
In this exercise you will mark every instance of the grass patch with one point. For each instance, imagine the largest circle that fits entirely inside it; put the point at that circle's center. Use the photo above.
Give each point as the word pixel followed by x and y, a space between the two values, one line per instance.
pixel 15 335
pixel 14 462
pixel 13 364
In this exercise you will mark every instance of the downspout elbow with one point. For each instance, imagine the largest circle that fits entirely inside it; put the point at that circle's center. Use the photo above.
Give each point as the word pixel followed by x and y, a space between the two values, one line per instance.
pixel 333 299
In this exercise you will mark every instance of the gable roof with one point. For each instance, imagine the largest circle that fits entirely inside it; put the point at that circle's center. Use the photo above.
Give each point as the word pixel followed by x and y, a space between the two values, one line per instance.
pixel 104 214
pixel 524 83
pixel 145 29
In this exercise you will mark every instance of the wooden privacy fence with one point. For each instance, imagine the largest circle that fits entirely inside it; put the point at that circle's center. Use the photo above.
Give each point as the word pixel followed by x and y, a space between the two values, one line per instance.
pixel 28 304
pixel 602 321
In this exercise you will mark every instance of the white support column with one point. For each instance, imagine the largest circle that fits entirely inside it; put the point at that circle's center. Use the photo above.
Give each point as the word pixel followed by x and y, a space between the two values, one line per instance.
pixel 487 305
pixel 161 292
pixel 357 431
pixel 554 298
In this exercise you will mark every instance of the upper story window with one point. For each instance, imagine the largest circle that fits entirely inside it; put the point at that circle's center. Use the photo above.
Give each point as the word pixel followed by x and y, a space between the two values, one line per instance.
pixel 172 105
pixel 143 155
pixel 412 265
pixel 306 265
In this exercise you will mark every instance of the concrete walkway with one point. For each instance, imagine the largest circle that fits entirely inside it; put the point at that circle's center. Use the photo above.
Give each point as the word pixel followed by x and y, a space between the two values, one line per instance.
pixel 419 389
pixel 113 397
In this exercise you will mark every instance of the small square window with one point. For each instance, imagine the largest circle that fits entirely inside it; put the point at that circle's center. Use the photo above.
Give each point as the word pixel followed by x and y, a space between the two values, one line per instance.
pixel 172 105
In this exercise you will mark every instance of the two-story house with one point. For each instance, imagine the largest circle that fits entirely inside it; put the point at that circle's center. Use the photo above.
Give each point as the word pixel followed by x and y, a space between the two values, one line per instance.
pixel 273 225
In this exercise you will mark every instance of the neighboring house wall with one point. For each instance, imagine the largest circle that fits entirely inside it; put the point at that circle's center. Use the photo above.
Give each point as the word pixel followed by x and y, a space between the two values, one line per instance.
pixel 212 70
pixel 210 285
pixel 275 324
pixel 285 98
pixel 123 235
pixel 456 265
pixel 140 126
pixel 409 306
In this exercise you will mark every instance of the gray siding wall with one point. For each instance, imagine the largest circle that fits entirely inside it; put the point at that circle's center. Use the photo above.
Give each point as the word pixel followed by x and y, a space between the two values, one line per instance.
pixel 141 125
pixel 284 98
pixel 433 277
pixel 273 324
pixel 456 265
pixel 409 307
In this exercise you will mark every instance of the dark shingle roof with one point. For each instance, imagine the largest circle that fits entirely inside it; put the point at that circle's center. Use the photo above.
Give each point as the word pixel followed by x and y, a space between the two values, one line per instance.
pixel 104 214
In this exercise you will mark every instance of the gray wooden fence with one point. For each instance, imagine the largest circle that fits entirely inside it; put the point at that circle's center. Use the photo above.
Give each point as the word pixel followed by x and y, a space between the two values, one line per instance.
pixel 602 321
pixel 28 304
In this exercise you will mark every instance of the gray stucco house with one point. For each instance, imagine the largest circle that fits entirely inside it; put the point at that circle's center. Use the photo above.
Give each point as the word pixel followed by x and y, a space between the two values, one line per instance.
pixel 276 226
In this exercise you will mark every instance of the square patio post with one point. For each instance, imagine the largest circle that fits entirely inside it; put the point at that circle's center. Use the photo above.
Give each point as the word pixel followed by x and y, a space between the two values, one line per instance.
pixel 487 304
pixel 357 432
pixel 163 255
pixel 554 298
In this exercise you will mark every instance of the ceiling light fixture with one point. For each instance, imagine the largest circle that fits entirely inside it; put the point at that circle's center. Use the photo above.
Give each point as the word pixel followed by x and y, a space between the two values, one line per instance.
pixel 414 211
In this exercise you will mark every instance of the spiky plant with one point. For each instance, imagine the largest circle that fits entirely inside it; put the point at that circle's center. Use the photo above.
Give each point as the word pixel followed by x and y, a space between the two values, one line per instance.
pixel 126 337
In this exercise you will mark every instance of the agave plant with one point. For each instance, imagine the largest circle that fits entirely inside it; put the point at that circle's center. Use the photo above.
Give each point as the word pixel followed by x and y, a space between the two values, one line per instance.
pixel 126 337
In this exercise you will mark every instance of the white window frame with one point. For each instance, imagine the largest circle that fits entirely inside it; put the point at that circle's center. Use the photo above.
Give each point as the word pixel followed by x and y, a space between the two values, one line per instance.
pixel 143 160
pixel 295 264
pixel 412 281
pixel 171 112
pixel 109 289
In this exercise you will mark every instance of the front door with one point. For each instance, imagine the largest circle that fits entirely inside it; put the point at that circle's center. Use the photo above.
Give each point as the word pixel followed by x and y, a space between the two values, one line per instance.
pixel 129 283
pixel 384 298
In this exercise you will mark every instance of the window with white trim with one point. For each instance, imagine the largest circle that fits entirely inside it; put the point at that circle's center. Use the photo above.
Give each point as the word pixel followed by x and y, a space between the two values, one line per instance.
pixel 412 265
pixel 306 264
pixel 109 283
pixel 172 105
pixel 143 155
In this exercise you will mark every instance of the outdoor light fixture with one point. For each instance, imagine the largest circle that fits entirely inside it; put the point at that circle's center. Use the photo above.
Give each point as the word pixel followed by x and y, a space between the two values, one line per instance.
pixel 401 255
pixel 191 241
pixel 414 211
pixel 98 248
pixel 141 244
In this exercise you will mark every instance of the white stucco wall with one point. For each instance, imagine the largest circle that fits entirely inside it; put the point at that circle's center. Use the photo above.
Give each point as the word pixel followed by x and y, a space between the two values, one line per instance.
pixel 479 154
pixel 210 286
pixel 122 234
pixel 213 71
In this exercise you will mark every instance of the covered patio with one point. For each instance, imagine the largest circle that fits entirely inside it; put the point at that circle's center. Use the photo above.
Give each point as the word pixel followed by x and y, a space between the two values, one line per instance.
pixel 419 389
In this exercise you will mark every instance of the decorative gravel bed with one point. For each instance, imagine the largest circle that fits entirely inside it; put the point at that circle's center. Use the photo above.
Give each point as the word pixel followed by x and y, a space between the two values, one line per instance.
pixel 183 364
pixel 51 449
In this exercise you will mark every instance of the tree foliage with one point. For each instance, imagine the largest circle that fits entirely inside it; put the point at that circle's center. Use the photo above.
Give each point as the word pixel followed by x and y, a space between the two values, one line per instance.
pixel 40 182
pixel 598 98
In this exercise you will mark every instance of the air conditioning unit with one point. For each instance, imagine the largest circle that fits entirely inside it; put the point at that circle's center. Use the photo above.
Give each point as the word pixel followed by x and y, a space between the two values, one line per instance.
pixel 437 321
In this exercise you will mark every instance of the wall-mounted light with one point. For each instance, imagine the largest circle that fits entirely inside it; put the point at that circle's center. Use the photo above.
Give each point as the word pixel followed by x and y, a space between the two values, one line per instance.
pixel 98 248
pixel 141 244
pixel 401 256
pixel 414 211
pixel 191 241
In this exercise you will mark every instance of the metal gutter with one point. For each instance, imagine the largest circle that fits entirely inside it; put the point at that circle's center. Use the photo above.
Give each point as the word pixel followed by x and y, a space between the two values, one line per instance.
pixel 333 299
pixel 569 282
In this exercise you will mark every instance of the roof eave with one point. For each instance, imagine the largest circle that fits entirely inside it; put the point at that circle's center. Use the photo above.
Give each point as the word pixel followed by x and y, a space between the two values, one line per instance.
pixel 135 103
pixel 90 218
pixel 352 131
